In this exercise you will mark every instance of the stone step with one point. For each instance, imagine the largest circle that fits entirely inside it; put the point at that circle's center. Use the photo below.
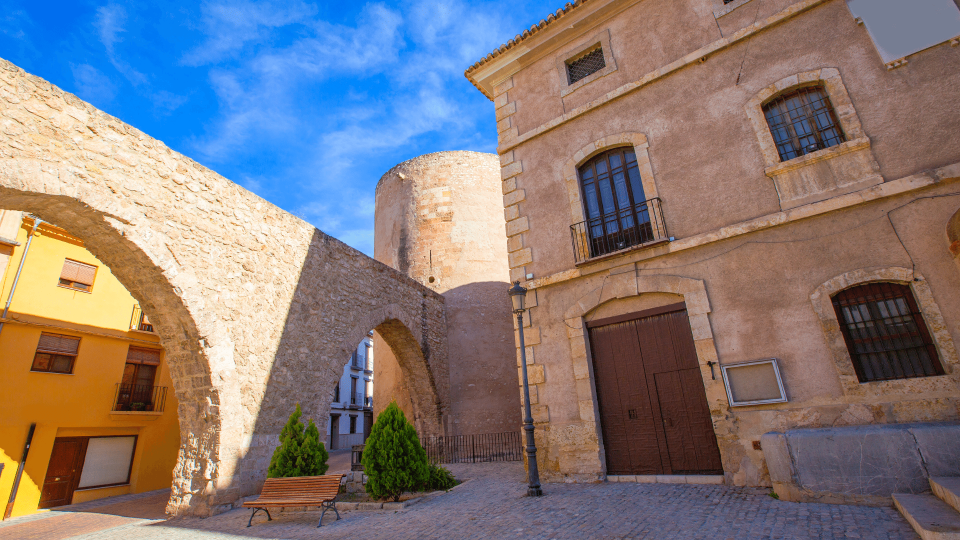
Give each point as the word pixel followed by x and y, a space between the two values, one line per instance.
pixel 930 517
pixel 948 489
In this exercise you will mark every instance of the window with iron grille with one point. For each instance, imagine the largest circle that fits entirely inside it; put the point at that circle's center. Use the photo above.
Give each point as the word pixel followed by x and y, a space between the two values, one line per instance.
pixel 77 275
pixel 56 353
pixel 885 333
pixel 585 65
pixel 802 121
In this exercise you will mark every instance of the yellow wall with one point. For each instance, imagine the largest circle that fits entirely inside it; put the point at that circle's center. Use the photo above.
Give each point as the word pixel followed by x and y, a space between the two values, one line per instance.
pixel 80 403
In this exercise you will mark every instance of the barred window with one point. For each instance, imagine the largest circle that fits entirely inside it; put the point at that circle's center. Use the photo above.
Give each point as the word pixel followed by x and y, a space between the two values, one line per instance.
pixel 585 65
pixel 802 121
pixel 55 353
pixel 77 275
pixel 885 333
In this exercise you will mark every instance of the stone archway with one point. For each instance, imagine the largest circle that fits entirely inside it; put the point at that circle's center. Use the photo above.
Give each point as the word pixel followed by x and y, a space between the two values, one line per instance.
pixel 428 382
pixel 252 304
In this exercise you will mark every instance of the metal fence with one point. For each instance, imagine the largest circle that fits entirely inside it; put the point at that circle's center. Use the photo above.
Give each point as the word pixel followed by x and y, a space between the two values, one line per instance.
pixel 474 448
pixel 616 231
pixel 137 397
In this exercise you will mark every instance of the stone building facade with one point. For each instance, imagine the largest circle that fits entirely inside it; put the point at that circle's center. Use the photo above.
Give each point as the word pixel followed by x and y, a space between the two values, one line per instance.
pixel 743 246
pixel 255 308
pixel 439 220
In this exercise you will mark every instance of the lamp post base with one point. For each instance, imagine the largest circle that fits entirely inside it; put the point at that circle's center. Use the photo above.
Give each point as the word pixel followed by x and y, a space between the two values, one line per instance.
pixel 534 492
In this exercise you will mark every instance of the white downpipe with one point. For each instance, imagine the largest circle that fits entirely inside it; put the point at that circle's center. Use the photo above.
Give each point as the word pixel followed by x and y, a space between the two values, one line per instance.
pixel 16 279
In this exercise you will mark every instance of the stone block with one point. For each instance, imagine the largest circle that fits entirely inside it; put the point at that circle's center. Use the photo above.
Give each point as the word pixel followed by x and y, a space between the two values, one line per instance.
pixel 587 413
pixel 939 446
pixel 535 374
pixel 580 368
pixel 506 158
pixel 509 185
pixel 394 505
pixel 857 460
pixel 513 197
pixel 531 336
pixel 584 390
pixel 517 226
pixel 511 170
pixel 507 110
pixel 541 414
pixel 520 258
pixel 346 505
pixel 777 455
pixel 529 353
pixel 514 242
pixel 369 506
pixel 503 87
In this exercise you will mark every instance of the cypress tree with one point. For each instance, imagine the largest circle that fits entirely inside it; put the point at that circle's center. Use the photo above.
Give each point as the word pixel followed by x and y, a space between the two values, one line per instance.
pixel 393 458
pixel 300 452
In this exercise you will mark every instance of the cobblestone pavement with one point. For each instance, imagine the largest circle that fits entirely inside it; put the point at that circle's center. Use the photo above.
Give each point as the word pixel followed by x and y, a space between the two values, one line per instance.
pixel 491 504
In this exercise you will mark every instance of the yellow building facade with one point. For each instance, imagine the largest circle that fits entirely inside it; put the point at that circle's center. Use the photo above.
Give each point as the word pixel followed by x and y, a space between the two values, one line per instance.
pixel 80 361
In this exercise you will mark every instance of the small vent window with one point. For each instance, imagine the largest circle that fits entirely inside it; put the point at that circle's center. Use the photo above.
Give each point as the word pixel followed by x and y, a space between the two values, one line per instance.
pixel 586 65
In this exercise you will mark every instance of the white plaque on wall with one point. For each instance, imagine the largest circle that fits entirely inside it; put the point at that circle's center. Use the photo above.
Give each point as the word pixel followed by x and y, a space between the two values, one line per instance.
pixel 753 383
pixel 900 28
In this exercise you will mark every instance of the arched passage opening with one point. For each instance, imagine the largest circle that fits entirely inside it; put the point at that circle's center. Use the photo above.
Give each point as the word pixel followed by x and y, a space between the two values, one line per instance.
pixel 185 362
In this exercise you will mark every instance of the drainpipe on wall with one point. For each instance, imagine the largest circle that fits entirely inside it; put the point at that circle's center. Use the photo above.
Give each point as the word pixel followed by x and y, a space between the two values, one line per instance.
pixel 36 223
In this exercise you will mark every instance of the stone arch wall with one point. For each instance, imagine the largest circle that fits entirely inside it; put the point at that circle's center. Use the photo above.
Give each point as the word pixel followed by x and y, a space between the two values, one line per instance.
pixel 427 387
pixel 253 304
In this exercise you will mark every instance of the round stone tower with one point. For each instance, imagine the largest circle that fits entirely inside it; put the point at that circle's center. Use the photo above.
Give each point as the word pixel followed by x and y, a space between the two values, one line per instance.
pixel 439 219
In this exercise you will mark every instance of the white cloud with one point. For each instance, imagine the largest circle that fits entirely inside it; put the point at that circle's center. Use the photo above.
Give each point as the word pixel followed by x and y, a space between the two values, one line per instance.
pixel 92 85
pixel 110 24
pixel 231 25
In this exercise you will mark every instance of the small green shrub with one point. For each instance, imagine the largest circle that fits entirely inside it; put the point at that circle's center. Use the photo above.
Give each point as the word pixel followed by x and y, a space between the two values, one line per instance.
pixel 300 452
pixel 440 479
pixel 393 458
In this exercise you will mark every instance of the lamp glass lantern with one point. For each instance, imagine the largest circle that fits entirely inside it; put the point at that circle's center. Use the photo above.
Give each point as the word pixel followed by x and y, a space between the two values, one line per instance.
pixel 518 295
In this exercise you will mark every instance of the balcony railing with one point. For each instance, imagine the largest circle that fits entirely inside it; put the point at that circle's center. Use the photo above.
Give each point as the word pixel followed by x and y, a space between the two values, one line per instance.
pixel 139 397
pixel 139 321
pixel 642 224
pixel 474 448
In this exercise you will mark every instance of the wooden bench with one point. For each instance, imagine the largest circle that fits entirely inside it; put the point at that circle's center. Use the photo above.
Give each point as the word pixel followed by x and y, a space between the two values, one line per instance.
pixel 316 491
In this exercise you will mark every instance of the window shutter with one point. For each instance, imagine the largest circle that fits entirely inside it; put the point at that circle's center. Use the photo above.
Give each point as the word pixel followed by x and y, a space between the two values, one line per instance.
pixel 107 461
pixel 55 343
pixel 70 270
pixel 78 272
pixel 150 357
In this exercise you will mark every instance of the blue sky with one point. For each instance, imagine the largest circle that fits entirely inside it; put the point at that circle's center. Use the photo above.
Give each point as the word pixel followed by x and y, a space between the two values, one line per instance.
pixel 306 104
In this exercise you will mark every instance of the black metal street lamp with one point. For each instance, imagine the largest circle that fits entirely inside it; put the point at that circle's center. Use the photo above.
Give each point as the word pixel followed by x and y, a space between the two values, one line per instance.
pixel 518 296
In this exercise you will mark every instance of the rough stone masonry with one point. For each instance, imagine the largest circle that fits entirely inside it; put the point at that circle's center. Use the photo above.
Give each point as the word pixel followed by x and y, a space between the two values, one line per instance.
pixel 256 308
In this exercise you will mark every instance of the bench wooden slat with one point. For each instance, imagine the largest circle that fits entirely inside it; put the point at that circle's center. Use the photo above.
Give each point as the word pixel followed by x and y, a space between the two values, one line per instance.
pixel 298 491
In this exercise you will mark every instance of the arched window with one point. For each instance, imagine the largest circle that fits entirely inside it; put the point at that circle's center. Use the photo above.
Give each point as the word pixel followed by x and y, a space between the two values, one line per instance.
pixel 885 333
pixel 617 211
pixel 802 121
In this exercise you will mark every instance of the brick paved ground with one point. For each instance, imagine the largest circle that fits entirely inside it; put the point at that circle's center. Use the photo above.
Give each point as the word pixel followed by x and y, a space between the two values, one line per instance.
pixel 492 505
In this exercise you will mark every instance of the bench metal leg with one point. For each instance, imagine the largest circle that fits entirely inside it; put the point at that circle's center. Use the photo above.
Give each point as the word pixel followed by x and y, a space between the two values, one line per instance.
pixel 255 510
pixel 328 506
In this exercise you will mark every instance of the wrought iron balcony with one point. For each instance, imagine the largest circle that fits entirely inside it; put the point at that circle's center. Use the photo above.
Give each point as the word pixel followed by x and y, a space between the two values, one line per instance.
pixel 617 231
pixel 140 398
pixel 139 321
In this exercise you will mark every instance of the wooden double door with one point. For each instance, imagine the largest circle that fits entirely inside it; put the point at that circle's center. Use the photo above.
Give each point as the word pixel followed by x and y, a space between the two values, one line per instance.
pixel 653 407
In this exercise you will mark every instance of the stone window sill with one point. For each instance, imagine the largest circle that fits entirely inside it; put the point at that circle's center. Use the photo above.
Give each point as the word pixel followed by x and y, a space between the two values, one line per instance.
pixel 624 251
pixel 138 415
pixel 819 155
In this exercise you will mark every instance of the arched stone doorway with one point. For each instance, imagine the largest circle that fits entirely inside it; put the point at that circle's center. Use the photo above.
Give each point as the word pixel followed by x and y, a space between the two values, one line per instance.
pixel 253 305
